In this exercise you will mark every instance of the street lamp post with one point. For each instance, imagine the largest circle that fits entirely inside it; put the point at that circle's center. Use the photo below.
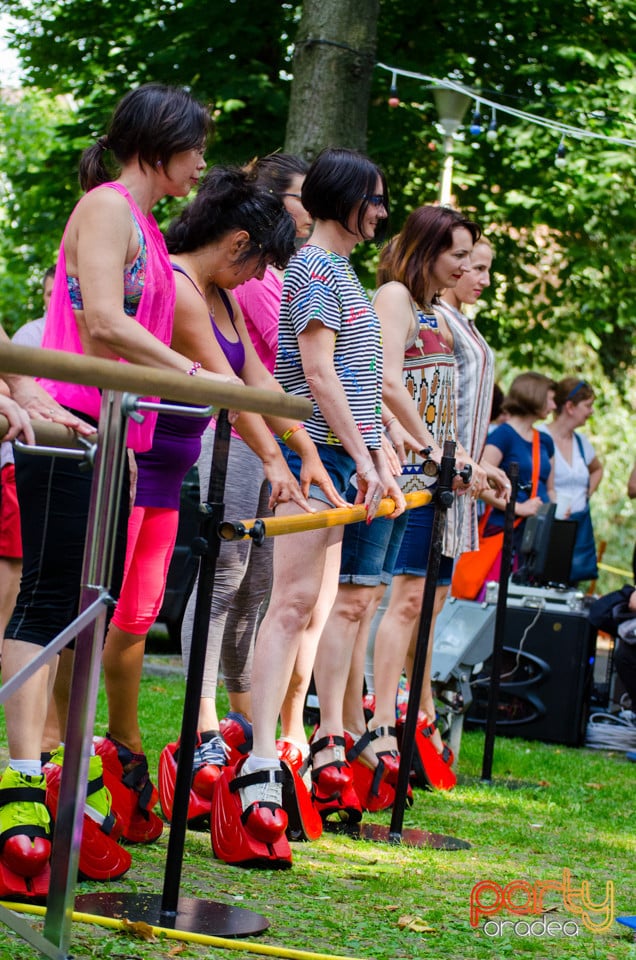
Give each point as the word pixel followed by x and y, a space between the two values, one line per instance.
pixel 451 107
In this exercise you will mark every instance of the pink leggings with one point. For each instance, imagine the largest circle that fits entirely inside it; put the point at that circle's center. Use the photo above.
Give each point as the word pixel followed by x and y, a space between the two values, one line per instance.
pixel 152 532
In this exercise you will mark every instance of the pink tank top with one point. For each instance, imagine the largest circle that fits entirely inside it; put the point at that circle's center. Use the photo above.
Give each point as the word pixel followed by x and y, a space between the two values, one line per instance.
pixel 155 312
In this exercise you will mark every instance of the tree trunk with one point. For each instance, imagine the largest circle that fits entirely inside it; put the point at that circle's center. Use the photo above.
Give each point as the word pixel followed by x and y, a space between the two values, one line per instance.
pixel 333 64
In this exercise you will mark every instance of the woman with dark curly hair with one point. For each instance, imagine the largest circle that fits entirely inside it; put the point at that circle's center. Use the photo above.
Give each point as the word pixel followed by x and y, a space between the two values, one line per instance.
pixel 230 232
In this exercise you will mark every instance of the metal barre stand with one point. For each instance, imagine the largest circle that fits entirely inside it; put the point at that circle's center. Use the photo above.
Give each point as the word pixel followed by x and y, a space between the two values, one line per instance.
pixel 498 643
pixel 500 626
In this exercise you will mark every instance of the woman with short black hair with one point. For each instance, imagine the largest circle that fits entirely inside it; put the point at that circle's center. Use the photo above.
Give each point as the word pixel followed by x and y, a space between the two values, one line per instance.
pixel 330 352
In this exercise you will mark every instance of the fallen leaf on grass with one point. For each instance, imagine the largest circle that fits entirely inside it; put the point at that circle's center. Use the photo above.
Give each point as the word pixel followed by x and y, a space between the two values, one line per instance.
pixel 391 907
pixel 138 929
pixel 544 783
pixel 416 924
pixel 177 949
pixel 594 786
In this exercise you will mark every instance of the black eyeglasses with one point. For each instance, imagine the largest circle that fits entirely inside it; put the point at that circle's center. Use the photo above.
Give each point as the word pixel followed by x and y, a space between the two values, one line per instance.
pixel 376 199
pixel 297 195
pixel 573 392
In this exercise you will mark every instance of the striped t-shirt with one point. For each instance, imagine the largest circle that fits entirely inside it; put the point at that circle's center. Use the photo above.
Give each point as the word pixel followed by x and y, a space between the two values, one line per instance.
pixel 321 285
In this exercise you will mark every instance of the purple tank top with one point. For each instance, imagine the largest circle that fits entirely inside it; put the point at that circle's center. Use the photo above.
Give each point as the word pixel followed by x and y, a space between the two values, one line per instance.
pixel 177 441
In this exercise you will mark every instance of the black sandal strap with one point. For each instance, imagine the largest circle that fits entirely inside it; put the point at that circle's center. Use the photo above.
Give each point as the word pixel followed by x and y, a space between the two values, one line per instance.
pixel 361 743
pixel 382 731
pixel 325 743
pixel 138 779
pixel 267 775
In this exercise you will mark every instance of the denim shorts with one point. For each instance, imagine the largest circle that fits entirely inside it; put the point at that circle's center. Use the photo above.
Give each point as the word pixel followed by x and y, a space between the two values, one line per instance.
pixel 413 556
pixel 336 461
pixel 369 550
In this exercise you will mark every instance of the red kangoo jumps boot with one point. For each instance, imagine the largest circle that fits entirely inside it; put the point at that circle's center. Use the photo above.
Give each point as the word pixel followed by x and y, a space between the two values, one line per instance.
pixel 133 795
pixel 303 820
pixel 231 827
pixel 19 889
pixel 100 856
pixel 236 731
pixel 432 770
pixel 368 705
pixel 25 829
pixel 208 762
pixel 370 783
pixel 332 789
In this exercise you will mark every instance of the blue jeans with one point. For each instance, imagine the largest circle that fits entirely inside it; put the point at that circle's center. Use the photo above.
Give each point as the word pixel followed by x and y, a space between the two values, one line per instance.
pixel 369 551
pixel 413 556
pixel 336 461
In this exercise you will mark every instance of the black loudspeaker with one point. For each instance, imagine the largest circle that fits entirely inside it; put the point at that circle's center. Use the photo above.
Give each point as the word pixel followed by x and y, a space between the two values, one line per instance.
pixel 546 674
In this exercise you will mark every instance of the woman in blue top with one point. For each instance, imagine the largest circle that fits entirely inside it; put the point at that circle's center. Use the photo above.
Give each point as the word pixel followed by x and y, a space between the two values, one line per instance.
pixel 530 398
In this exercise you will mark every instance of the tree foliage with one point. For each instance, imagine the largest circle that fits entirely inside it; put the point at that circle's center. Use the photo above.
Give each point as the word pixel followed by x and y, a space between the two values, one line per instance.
pixel 564 237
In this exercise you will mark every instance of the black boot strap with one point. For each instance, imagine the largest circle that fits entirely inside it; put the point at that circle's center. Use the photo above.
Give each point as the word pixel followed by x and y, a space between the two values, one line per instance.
pixel 138 780
pixel 25 830
pixel 17 794
pixel 325 742
pixel 268 775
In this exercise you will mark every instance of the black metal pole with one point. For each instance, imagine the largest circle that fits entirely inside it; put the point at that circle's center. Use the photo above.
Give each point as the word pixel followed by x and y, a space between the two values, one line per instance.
pixel 212 516
pixel 443 499
pixel 500 625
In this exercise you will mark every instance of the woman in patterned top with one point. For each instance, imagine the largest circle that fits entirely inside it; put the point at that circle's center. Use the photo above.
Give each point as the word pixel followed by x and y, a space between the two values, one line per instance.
pixel 432 253
pixel 330 352
pixel 475 370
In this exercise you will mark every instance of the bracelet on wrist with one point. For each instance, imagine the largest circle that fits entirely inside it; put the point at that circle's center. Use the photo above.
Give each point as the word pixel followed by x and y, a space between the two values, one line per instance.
pixel 193 369
pixel 292 430
pixel 363 474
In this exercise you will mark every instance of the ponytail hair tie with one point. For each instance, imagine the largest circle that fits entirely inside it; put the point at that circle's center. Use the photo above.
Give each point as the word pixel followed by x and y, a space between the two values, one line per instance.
pixel 102 143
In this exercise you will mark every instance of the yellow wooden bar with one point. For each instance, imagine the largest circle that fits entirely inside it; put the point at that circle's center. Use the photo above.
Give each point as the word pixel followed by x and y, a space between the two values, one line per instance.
pixel 297 523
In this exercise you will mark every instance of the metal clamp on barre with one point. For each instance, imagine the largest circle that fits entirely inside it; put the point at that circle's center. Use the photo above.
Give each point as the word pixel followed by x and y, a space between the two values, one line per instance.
pixel 237 530
pixel 86 454
pixel 132 404
pixel 431 469
pixel 465 474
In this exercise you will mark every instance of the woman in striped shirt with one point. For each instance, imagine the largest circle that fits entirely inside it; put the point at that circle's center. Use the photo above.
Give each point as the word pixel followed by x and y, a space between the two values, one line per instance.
pixel 330 352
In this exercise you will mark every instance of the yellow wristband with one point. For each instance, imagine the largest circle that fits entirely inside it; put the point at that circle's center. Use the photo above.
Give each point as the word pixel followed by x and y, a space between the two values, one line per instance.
pixel 292 430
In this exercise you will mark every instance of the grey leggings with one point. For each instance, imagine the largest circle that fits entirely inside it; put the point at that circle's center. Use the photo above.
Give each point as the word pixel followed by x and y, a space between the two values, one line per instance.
pixel 243 573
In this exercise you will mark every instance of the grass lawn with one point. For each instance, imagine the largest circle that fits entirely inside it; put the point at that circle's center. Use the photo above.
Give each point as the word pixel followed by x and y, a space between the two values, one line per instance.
pixel 550 809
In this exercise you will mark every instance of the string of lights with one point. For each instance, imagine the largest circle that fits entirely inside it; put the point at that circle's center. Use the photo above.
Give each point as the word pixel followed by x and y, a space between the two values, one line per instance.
pixel 562 129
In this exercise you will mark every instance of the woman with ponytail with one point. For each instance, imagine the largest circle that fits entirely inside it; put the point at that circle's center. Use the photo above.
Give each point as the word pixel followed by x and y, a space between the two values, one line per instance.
pixel 113 296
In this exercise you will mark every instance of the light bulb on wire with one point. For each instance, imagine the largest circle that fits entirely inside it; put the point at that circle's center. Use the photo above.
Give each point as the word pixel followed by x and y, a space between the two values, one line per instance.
pixel 475 123
pixel 394 100
pixel 491 133
pixel 560 156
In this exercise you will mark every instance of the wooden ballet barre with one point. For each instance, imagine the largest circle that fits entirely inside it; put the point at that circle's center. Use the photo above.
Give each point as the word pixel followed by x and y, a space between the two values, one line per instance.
pixel 148 381
pixel 262 527
pixel 49 434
